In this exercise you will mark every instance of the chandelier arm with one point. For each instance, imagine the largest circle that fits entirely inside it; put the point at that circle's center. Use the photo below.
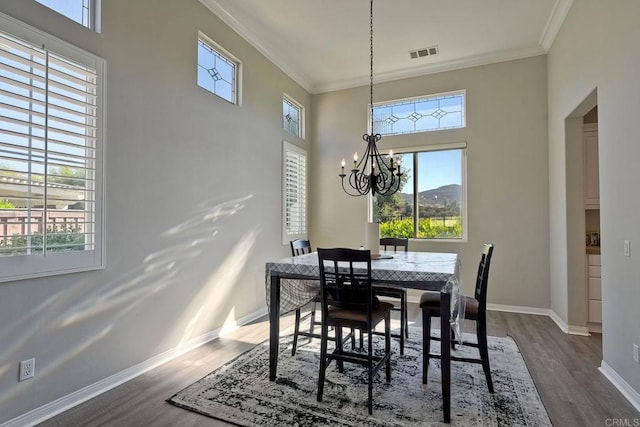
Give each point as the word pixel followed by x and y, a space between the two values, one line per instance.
pixel 359 182
pixel 358 194
pixel 393 188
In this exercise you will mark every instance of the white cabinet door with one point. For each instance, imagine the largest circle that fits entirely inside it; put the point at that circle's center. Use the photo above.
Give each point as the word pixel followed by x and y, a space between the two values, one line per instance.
pixel 595 288
pixel 595 311
pixel 591 168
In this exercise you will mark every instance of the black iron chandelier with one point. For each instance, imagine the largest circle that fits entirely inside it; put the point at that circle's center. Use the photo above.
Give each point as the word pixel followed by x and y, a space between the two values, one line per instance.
pixel 376 173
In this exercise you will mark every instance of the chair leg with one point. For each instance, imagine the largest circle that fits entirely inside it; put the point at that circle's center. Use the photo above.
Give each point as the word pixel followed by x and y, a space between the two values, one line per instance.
pixel 323 361
pixel 338 332
pixel 453 339
pixel 481 330
pixel 387 347
pixel 406 316
pixel 296 330
pixel 445 355
pixel 403 314
pixel 426 344
pixel 370 373
pixel 313 317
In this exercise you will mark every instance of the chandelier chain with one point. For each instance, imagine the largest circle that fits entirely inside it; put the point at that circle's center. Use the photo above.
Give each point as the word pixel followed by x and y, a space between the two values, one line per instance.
pixel 372 173
pixel 371 62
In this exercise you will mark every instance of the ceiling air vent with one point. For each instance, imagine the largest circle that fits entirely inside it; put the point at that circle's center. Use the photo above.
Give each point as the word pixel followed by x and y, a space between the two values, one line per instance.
pixel 421 53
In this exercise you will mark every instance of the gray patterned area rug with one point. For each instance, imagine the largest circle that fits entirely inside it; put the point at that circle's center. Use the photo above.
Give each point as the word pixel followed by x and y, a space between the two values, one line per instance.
pixel 240 391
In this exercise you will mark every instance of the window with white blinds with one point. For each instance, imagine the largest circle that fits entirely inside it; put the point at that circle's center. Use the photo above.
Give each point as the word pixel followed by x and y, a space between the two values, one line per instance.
pixel 294 192
pixel 50 154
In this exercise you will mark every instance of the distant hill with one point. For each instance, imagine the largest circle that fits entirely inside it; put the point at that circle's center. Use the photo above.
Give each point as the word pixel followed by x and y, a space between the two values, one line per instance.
pixel 437 196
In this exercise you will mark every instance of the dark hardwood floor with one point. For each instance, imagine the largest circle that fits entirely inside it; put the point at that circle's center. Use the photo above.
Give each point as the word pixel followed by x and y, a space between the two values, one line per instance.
pixel 563 367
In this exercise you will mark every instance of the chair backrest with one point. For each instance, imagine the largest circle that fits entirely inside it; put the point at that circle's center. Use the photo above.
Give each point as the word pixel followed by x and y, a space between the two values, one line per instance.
pixel 300 247
pixel 345 279
pixel 483 275
pixel 396 242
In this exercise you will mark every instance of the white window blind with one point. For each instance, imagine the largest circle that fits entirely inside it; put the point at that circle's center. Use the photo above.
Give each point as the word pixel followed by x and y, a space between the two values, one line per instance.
pixel 49 155
pixel 294 192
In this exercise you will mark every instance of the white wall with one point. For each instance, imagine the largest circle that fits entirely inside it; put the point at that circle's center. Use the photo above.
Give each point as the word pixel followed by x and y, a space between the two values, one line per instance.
pixel 597 48
pixel 507 171
pixel 193 205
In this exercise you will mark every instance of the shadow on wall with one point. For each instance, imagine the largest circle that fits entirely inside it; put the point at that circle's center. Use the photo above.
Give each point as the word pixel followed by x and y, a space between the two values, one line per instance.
pixel 95 314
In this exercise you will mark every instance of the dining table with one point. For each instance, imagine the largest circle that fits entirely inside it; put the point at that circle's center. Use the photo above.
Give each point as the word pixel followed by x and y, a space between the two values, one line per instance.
pixel 292 282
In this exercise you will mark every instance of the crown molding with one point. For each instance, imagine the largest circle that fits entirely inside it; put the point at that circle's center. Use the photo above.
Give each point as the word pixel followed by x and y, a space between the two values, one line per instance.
pixel 558 14
pixel 254 41
pixel 556 19
pixel 456 64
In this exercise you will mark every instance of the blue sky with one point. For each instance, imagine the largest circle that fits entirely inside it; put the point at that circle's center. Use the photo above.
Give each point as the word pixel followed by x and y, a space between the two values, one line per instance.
pixel 69 8
pixel 436 168
pixel 442 168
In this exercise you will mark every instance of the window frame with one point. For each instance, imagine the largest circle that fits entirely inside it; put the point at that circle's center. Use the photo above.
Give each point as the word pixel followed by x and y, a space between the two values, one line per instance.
pixel 463 182
pixel 428 97
pixel 286 235
pixel 18 267
pixel 227 56
pixel 301 116
pixel 94 18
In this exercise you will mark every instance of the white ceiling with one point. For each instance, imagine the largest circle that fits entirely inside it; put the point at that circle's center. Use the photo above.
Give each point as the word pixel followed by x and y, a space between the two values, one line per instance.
pixel 324 44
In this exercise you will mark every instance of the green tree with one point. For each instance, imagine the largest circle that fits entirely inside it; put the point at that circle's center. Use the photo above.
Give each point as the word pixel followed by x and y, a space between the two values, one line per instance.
pixel 5 204
pixel 60 238
pixel 67 175
pixel 394 205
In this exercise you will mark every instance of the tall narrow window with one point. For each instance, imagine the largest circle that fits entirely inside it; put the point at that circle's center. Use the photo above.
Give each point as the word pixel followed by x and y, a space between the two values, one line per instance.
pixel 292 117
pixel 431 202
pixel 218 71
pixel 84 12
pixel 294 191
pixel 50 157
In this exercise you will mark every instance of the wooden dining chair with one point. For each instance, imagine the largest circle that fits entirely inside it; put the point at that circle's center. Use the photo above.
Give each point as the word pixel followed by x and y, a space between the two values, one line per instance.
pixel 301 247
pixel 348 301
pixel 475 309
pixel 400 294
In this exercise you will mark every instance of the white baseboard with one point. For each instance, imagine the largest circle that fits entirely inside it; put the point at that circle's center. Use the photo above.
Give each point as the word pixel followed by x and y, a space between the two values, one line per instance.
pixel 569 329
pixel 518 309
pixel 627 391
pixel 521 309
pixel 596 328
pixel 58 406
pixel 558 320
pixel 582 331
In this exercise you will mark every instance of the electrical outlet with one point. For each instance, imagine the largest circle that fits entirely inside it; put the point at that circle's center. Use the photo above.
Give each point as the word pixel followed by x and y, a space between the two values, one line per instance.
pixel 627 248
pixel 635 353
pixel 27 369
